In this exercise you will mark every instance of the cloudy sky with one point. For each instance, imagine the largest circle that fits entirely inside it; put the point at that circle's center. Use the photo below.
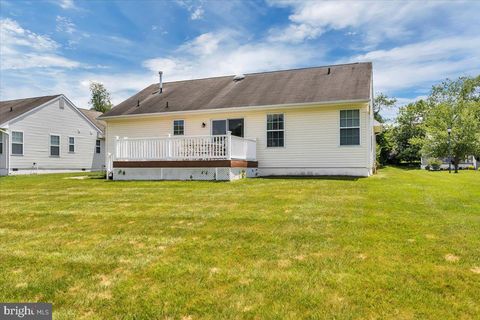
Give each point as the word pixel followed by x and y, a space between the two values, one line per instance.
pixel 50 47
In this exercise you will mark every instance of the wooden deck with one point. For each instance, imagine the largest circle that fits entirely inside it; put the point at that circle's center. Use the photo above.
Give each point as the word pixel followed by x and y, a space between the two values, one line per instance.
pixel 186 164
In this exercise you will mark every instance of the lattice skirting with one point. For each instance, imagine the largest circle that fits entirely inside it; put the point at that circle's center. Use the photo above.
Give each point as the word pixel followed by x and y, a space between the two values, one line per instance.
pixel 219 174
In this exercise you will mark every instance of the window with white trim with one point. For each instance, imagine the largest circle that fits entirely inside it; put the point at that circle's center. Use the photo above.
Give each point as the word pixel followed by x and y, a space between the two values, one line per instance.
pixel 17 143
pixel 1 142
pixel 98 148
pixel 350 127
pixel 275 130
pixel 71 144
pixel 54 145
pixel 178 127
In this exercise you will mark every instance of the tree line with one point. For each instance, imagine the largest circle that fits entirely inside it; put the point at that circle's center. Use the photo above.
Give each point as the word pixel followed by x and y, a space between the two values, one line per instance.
pixel 444 125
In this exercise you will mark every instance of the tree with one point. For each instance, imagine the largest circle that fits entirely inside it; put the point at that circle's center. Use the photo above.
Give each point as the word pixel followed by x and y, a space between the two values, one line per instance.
pixel 381 103
pixel 384 139
pixel 409 132
pixel 454 105
pixel 100 99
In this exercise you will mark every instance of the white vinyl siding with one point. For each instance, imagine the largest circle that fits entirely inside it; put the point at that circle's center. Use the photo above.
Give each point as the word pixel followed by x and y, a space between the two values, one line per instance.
pixel 311 140
pixel 17 143
pixel 54 145
pixel 37 126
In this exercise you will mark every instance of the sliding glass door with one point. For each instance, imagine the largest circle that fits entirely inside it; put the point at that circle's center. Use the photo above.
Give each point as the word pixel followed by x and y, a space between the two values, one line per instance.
pixel 236 126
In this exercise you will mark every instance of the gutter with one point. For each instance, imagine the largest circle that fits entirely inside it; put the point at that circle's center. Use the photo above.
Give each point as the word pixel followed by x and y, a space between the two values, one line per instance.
pixel 236 109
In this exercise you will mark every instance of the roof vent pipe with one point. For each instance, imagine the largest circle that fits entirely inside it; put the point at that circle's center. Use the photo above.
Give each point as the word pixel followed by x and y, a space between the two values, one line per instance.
pixel 328 72
pixel 160 74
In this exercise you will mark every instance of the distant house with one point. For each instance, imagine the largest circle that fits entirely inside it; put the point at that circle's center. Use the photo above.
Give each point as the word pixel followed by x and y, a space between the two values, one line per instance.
pixel 311 121
pixel 49 134
pixel 468 162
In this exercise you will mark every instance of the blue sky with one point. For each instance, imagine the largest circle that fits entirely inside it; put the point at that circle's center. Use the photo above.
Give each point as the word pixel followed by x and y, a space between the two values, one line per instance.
pixel 49 47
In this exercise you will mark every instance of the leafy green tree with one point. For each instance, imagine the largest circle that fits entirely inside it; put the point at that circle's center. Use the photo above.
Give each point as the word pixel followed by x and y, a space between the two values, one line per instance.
pixel 453 104
pixel 382 102
pixel 409 131
pixel 385 146
pixel 100 99
pixel 384 150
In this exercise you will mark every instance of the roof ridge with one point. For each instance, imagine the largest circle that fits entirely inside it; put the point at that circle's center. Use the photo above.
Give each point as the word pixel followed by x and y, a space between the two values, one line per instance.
pixel 272 71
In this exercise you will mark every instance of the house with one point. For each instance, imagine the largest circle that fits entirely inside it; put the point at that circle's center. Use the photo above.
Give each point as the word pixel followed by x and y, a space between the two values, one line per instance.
pixel 468 162
pixel 49 134
pixel 311 121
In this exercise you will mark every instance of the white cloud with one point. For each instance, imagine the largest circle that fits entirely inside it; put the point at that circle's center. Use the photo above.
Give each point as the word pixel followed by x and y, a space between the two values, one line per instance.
pixel 194 8
pixel 12 34
pixel 64 24
pixel 421 64
pixel 197 14
pixel 374 20
pixel 66 4
pixel 23 49
pixel 222 53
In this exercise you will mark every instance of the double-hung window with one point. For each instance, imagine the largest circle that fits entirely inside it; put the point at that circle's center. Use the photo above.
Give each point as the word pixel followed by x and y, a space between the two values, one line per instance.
pixel 178 127
pixel 71 144
pixel 98 148
pixel 54 145
pixel 349 127
pixel 17 143
pixel 1 142
pixel 275 130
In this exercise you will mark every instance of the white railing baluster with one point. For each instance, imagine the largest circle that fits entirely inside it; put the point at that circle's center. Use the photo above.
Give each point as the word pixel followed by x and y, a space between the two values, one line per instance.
pixel 185 148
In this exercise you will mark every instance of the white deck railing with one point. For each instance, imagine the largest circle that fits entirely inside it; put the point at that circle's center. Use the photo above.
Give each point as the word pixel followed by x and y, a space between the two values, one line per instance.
pixel 220 147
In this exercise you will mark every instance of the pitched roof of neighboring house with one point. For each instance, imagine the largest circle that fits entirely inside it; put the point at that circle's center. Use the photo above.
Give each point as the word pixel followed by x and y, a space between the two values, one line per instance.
pixel 92 115
pixel 309 85
pixel 13 108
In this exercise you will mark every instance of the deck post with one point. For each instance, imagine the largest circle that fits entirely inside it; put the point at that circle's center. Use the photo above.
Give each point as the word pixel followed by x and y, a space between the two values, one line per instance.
pixel 169 146
pixel 116 147
pixel 229 145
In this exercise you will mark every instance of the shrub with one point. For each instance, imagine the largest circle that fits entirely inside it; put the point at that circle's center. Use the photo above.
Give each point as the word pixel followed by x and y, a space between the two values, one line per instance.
pixel 434 164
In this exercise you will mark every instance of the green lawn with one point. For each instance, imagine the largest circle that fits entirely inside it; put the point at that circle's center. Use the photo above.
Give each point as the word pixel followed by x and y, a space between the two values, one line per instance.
pixel 402 244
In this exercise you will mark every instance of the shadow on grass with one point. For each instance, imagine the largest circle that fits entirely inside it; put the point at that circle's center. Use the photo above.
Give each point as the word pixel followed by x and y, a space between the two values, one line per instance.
pixel 342 178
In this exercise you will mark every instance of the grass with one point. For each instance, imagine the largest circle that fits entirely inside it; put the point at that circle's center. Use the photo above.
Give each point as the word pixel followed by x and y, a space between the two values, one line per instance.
pixel 402 244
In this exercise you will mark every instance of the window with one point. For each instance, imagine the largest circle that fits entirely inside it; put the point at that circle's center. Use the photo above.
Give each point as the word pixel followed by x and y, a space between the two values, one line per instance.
pixel 71 144
pixel 178 127
pixel 275 130
pixel 54 145
pixel 235 126
pixel 17 142
pixel 1 142
pixel 98 148
pixel 349 127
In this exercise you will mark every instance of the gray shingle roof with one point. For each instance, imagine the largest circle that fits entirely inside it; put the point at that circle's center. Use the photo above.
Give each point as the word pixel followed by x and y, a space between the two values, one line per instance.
pixel 317 84
pixel 13 108
pixel 92 115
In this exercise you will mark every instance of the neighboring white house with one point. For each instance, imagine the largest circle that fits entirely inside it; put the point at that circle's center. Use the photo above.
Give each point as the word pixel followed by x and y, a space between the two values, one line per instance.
pixel 470 161
pixel 49 134
pixel 311 121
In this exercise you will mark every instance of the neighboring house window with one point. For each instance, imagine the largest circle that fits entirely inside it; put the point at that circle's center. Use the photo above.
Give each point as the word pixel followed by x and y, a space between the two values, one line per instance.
pixel 98 148
pixel 349 127
pixel 54 145
pixel 1 142
pixel 275 130
pixel 17 142
pixel 71 144
pixel 178 127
